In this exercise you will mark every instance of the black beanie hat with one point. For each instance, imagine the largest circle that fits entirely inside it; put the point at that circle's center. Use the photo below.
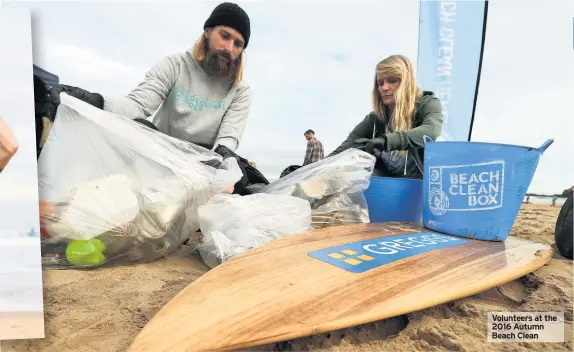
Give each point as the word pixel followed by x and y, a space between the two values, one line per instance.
pixel 230 15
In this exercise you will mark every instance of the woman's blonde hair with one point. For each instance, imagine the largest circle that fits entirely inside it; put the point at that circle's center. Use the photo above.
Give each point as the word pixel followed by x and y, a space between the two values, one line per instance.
pixel 200 49
pixel 405 96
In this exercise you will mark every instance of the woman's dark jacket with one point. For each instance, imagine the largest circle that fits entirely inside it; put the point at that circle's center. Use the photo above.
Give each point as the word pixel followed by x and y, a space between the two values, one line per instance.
pixel 427 121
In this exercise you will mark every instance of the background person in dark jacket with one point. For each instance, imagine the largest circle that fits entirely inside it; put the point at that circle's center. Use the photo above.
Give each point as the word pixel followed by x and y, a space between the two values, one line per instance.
pixel 402 115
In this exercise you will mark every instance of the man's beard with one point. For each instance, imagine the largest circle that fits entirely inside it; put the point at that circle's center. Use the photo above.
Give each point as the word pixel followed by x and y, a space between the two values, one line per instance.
pixel 219 64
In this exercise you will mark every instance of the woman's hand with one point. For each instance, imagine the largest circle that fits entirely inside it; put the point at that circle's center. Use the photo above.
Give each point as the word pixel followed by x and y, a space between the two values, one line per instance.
pixel 374 146
pixel 361 143
pixel 8 144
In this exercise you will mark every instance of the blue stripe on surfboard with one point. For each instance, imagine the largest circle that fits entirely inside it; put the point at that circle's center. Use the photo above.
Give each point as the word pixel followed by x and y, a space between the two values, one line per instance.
pixel 358 257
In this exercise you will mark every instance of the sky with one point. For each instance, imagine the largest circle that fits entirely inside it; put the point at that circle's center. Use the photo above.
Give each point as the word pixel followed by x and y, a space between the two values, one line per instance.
pixel 18 181
pixel 311 65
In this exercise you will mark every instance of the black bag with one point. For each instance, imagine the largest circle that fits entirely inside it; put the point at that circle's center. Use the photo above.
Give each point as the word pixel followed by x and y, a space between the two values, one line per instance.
pixel 563 229
pixel 41 107
pixel 289 170
pixel 251 176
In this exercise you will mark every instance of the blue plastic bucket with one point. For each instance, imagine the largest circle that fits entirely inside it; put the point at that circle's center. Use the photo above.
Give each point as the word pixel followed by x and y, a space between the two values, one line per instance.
pixel 474 189
pixel 395 199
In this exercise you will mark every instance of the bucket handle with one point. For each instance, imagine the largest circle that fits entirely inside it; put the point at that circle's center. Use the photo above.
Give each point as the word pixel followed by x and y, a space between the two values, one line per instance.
pixel 545 146
pixel 541 149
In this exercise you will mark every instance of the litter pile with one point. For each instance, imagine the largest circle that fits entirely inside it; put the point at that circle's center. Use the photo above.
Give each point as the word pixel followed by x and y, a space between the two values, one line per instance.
pixel 118 191
pixel 323 194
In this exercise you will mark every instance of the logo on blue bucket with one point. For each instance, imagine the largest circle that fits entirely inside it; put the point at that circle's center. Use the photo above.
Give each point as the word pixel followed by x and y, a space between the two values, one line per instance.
pixel 473 187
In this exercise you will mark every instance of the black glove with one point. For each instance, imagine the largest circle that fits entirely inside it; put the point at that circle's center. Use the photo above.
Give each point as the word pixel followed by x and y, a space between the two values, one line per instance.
pixel 376 146
pixel 94 99
pixel 361 143
pixel 147 123
pixel 225 152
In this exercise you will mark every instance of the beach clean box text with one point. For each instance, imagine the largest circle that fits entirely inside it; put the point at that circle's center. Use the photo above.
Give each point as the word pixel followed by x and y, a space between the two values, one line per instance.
pixel 471 187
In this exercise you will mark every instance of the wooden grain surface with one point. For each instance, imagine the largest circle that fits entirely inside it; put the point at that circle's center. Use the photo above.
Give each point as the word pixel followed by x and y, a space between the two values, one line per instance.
pixel 277 292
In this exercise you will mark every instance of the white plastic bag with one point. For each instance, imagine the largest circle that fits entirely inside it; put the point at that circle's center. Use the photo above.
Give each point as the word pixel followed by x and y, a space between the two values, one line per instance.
pixel 232 224
pixel 119 190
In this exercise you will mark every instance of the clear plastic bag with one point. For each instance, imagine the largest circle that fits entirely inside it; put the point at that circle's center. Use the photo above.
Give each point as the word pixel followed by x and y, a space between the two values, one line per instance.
pixel 233 224
pixel 333 186
pixel 340 209
pixel 114 190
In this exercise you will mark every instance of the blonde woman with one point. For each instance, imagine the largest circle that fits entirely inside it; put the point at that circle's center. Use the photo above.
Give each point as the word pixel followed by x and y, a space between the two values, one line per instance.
pixel 199 93
pixel 8 144
pixel 402 115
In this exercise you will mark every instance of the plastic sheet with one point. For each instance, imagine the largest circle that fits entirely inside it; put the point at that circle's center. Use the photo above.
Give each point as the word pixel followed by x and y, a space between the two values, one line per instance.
pixel 233 224
pixel 114 190
pixel 333 186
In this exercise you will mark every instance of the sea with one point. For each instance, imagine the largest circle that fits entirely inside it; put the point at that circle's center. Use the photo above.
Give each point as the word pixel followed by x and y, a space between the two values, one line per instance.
pixel 546 200
pixel 20 274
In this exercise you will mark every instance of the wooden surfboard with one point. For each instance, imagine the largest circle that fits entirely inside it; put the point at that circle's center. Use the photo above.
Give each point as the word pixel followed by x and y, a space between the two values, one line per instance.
pixel 329 279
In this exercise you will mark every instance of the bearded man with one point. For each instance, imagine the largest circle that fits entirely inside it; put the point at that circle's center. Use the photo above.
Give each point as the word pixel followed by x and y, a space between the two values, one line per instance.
pixel 200 93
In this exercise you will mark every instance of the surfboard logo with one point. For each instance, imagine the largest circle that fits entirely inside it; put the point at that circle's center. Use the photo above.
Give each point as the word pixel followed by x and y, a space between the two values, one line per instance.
pixel 359 257
pixel 473 187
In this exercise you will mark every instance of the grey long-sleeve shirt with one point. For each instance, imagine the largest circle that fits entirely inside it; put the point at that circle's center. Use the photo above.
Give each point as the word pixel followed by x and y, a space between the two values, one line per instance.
pixel 203 110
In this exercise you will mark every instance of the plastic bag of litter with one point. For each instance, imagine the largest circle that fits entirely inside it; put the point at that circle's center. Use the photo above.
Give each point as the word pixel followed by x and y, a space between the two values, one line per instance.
pixel 333 186
pixel 114 190
pixel 340 209
pixel 233 224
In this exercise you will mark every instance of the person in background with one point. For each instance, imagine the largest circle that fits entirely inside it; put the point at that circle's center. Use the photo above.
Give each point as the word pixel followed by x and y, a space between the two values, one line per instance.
pixel 402 115
pixel 315 150
pixel 8 144
pixel 554 201
pixel 200 93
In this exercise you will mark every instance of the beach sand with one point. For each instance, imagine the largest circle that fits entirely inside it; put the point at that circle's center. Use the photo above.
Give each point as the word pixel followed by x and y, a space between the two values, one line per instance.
pixel 103 310
pixel 19 325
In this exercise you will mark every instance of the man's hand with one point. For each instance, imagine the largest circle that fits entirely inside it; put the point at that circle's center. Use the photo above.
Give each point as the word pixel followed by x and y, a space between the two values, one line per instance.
pixel 94 99
pixel 8 144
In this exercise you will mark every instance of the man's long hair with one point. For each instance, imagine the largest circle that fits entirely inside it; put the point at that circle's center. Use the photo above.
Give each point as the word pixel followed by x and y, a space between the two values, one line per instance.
pixel 200 50
pixel 406 94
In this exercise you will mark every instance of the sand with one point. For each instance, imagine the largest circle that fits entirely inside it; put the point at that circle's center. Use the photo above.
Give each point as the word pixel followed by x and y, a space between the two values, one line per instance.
pixel 18 325
pixel 102 310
